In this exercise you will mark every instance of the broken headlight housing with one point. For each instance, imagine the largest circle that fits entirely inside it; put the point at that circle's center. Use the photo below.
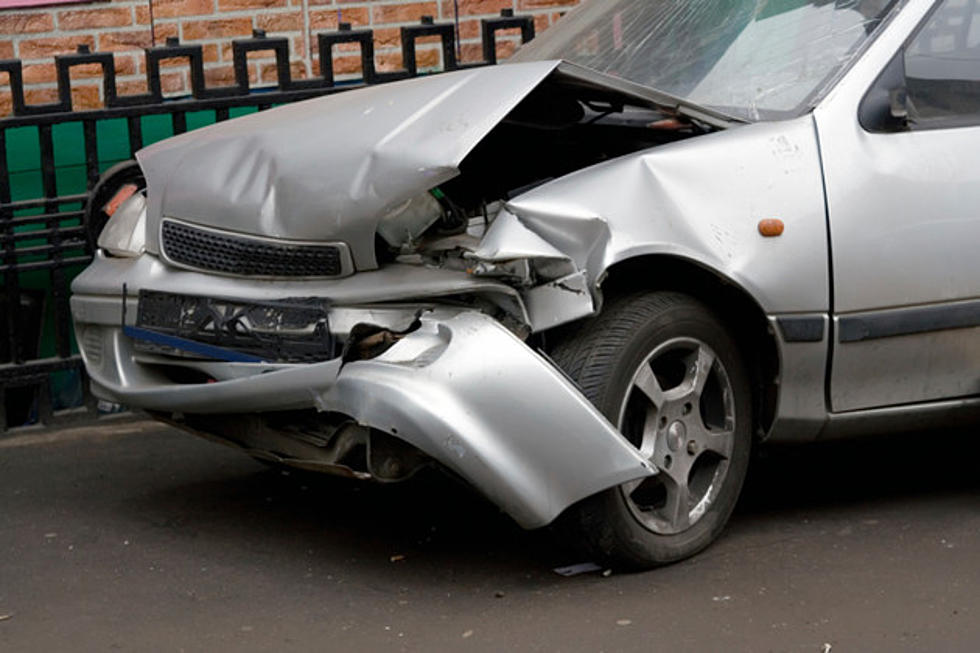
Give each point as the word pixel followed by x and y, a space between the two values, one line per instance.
pixel 125 232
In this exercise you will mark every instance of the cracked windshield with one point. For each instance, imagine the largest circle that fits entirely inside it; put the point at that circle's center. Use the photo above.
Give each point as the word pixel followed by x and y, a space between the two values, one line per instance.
pixel 755 59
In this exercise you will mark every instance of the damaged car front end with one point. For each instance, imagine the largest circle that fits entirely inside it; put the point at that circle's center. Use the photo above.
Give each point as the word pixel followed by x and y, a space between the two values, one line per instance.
pixel 389 329
pixel 426 272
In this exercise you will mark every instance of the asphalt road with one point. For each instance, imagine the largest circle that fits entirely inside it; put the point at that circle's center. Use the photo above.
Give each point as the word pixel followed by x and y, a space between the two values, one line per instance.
pixel 137 537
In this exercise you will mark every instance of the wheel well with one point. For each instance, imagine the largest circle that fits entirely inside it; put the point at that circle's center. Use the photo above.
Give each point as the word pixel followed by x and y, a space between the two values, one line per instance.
pixel 736 307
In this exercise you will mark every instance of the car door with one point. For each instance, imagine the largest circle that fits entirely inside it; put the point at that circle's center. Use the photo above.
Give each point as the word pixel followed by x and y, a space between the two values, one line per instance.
pixel 902 176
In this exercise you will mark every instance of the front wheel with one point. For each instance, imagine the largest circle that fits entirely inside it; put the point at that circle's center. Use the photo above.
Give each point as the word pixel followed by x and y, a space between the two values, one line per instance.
pixel 662 368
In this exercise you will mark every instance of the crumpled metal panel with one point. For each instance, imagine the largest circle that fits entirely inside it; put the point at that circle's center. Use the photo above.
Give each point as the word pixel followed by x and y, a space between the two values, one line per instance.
pixel 462 389
pixel 394 282
pixel 331 167
pixel 478 400
pixel 699 199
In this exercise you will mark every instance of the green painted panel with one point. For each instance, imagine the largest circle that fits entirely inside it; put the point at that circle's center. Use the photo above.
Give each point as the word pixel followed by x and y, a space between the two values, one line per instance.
pixel 23 151
pixel 112 142
pixel 156 128
pixel 198 119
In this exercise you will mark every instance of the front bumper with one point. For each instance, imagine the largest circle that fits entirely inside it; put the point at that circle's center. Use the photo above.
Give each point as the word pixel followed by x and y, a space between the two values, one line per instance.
pixel 461 388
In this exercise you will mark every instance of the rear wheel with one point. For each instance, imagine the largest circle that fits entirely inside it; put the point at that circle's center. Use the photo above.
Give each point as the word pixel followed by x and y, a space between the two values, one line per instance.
pixel 663 369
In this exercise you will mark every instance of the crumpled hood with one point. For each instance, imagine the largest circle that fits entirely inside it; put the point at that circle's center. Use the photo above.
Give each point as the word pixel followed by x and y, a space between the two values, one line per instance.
pixel 330 168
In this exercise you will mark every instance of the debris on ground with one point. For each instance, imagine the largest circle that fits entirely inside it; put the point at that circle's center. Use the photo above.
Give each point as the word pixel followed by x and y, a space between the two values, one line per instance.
pixel 575 570
pixel 398 557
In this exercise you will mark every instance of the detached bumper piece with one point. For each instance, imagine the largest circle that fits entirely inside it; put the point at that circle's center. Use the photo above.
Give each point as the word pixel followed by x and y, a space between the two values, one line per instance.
pixel 289 331
pixel 463 390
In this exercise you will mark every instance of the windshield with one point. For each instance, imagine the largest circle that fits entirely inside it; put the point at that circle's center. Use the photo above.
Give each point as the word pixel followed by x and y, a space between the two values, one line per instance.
pixel 753 59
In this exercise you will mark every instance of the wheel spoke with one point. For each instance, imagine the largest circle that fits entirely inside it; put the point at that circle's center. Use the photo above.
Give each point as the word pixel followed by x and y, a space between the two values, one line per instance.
pixel 719 442
pixel 648 384
pixel 697 376
pixel 649 442
pixel 678 507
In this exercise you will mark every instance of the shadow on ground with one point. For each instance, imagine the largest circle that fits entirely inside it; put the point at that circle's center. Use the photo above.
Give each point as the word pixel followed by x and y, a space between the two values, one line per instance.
pixel 438 519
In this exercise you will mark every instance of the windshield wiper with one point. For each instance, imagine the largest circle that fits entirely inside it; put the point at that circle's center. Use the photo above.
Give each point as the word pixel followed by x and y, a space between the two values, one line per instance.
pixel 664 101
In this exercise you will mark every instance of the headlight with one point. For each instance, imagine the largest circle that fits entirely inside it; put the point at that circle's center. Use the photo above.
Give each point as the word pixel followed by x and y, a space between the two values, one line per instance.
pixel 404 224
pixel 125 233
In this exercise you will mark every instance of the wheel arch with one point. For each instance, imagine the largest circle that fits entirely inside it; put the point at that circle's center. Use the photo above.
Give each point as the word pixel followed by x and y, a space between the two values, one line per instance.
pixel 736 307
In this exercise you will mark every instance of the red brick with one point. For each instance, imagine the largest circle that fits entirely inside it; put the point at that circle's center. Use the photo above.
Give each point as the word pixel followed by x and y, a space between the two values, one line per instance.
pixel 43 48
pixel 288 21
pixel 476 7
pixel 169 83
pixel 11 24
pixel 544 4
pixel 424 59
pixel 234 5
pixel 77 19
pixel 326 19
pixel 409 13
pixel 131 87
pixel 174 83
pixel 116 41
pixel 163 31
pixel 269 73
pixel 298 47
pixel 40 73
pixel 83 96
pixel 387 37
pixel 471 52
pixel 175 8
pixel 470 29
pixel 6 49
pixel 225 75
pixel 210 52
pixel 40 95
pixel 217 29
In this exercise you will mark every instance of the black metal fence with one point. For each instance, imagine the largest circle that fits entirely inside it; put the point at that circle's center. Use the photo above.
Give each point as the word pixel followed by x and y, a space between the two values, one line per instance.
pixel 42 235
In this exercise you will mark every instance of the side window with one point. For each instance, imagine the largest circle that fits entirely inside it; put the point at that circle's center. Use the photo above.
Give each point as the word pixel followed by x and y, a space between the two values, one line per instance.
pixel 942 66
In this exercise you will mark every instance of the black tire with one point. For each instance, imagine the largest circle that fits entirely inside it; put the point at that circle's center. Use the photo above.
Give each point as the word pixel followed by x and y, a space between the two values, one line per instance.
pixel 626 526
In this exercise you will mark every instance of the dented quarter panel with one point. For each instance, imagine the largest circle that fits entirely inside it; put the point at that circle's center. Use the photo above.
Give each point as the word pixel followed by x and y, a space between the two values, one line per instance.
pixel 264 173
pixel 700 199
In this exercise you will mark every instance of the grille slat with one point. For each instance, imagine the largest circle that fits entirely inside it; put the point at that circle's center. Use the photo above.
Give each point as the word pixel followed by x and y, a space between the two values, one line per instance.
pixel 244 256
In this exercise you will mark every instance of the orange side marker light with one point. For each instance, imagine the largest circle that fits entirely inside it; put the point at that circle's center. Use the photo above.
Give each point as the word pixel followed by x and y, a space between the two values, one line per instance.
pixel 123 194
pixel 771 228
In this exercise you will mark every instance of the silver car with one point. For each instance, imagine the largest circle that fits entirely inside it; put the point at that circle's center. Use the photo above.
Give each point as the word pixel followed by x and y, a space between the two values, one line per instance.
pixel 587 281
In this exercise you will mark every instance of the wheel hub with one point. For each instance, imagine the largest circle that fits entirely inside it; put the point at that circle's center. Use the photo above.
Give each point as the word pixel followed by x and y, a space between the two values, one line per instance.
pixel 676 435
pixel 679 413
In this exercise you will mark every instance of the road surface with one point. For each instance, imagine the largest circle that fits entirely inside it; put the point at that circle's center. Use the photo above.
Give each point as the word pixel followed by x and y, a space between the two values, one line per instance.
pixel 134 536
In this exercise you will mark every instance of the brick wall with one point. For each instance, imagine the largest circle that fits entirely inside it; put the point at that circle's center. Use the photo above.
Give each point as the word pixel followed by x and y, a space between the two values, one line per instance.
pixel 125 27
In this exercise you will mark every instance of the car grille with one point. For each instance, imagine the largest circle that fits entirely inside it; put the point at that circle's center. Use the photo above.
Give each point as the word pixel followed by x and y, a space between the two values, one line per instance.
pixel 241 255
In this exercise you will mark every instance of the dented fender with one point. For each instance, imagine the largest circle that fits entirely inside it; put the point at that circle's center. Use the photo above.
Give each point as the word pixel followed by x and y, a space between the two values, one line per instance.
pixel 699 199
